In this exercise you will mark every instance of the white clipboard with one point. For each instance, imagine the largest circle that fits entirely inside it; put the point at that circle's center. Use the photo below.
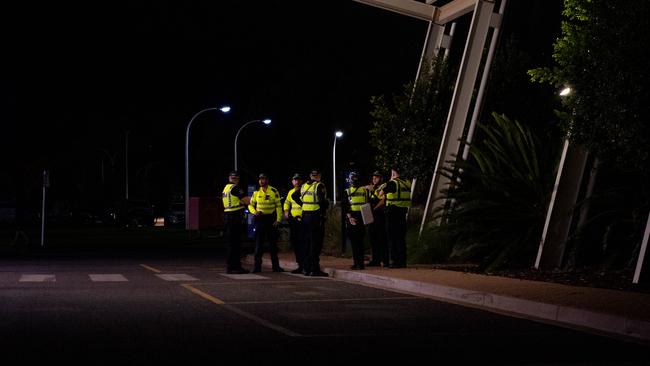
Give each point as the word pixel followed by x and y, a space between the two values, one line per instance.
pixel 366 214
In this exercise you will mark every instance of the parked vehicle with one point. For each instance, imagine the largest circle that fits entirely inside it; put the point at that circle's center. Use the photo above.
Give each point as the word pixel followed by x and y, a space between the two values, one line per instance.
pixel 135 213
pixel 7 215
pixel 175 215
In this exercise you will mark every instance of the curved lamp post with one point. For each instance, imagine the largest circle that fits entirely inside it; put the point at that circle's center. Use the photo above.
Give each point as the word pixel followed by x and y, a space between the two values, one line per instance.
pixel 337 135
pixel 224 109
pixel 265 121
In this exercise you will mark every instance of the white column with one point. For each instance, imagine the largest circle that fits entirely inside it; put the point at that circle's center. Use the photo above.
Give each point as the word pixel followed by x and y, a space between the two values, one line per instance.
pixel 457 117
pixel 644 247
pixel 560 210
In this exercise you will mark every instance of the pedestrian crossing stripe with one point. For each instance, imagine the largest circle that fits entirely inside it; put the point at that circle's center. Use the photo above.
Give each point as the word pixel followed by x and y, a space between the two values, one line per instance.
pixel 176 277
pixel 107 278
pixel 37 278
pixel 247 276
pixel 116 277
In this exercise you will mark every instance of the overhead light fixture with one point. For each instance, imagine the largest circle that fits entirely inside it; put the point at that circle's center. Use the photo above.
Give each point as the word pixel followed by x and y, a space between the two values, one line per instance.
pixel 566 91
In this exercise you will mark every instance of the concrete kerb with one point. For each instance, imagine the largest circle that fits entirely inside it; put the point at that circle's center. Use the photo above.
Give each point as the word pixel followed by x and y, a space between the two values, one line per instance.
pixel 549 313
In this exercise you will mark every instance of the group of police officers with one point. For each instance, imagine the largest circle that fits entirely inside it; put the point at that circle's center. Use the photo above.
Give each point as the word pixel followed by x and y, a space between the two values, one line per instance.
pixel 305 208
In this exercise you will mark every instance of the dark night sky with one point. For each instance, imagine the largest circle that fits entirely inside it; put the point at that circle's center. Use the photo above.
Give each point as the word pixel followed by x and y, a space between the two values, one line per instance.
pixel 76 76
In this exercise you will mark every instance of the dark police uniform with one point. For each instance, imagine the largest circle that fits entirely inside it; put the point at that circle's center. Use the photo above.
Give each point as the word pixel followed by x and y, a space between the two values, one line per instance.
pixel 233 226
pixel 312 198
pixel 294 217
pixel 398 200
pixel 266 204
pixel 377 229
pixel 354 197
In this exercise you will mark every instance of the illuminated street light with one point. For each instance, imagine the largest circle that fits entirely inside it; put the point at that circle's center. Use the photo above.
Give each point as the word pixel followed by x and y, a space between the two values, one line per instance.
pixel 337 135
pixel 265 121
pixel 566 91
pixel 223 109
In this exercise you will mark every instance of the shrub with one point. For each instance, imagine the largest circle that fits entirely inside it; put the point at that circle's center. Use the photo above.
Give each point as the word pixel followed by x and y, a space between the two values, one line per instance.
pixel 500 198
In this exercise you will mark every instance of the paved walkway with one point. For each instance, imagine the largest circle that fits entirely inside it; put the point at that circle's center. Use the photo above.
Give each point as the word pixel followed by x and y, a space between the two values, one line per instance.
pixel 612 312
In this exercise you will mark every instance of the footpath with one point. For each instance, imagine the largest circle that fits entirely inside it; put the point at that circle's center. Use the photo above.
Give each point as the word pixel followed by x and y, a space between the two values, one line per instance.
pixel 615 313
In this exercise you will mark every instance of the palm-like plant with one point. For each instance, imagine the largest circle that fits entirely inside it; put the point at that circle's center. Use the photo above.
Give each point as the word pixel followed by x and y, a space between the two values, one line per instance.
pixel 500 195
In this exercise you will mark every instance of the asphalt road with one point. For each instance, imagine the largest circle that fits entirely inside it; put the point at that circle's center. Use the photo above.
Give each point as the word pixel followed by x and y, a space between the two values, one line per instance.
pixel 180 307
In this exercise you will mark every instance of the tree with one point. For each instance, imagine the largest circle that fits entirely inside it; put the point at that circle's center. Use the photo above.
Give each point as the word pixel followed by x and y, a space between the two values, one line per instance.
pixel 407 131
pixel 599 55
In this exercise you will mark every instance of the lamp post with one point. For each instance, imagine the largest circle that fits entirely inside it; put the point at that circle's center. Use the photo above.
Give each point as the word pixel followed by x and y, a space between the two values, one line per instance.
pixel 265 121
pixel 224 109
pixel 337 135
pixel 126 164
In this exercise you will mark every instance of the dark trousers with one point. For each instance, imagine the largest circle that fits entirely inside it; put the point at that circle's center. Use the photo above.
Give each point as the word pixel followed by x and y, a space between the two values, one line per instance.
pixel 296 239
pixel 265 231
pixel 356 234
pixel 396 232
pixel 314 230
pixel 234 225
pixel 378 241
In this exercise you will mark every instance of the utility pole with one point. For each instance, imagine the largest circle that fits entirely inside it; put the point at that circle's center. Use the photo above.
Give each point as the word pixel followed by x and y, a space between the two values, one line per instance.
pixel 46 184
pixel 126 163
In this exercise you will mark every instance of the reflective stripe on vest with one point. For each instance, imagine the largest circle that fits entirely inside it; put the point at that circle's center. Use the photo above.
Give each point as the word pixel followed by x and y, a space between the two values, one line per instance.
pixel 309 194
pixel 291 205
pixel 357 197
pixel 401 198
pixel 375 193
pixel 230 203
pixel 266 202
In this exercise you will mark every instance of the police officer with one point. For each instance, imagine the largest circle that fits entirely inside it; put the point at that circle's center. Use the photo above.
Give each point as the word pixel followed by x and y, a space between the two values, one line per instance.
pixel 313 199
pixel 398 199
pixel 234 202
pixel 377 229
pixel 265 205
pixel 355 196
pixel 293 213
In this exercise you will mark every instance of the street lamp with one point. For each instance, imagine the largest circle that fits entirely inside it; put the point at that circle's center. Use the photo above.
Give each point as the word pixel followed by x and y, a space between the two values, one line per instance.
pixel 337 135
pixel 566 91
pixel 265 121
pixel 223 109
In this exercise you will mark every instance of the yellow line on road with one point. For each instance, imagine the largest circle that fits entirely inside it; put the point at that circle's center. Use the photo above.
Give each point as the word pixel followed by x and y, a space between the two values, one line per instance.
pixel 244 314
pixel 150 268
pixel 208 297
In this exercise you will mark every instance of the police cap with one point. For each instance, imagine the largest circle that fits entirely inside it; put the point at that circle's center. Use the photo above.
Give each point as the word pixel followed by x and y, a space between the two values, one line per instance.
pixel 314 172
pixel 298 176
pixel 377 173
pixel 262 175
pixel 234 173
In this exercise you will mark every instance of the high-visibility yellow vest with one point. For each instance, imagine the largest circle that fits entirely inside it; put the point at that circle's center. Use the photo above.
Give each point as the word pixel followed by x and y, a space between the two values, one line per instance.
pixel 375 194
pixel 357 196
pixel 292 206
pixel 230 203
pixel 309 194
pixel 266 202
pixel 401 198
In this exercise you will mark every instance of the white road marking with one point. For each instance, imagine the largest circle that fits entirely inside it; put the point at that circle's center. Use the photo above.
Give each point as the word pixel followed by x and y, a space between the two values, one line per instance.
pixel 245 314
pixel 248 276
pixel 307 293
pixel 257 319
pixel 37 278
pixel 176 277
pixel 306 277
pixel 107 278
